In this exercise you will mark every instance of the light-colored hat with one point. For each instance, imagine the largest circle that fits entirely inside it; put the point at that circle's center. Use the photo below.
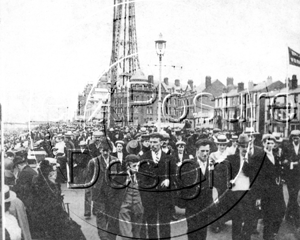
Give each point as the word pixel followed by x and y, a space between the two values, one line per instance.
pixel 98 134
pixel 52 161
pixel 250 130
pixel 165 135
pixel 180 143
pixel 221 139
pixel 143 130
pixel 121 142
pixel 268 137
pixel 234 137
pixel 8 194
pixel 68 134
pixel 82 143
pixel 295 133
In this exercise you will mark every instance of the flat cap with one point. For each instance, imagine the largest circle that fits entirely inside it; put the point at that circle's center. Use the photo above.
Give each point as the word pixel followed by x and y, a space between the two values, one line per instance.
pixel 156 135
pixel 203 142
pixel 132 158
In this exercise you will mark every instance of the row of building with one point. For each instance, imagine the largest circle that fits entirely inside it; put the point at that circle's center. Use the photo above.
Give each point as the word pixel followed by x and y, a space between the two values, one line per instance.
pixel 229 107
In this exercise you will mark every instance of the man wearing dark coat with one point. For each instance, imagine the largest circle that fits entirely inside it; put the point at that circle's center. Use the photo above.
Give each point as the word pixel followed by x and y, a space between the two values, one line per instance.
pixel 127 199
pixel 154 177
pixel 106 215
pixel 95 146
pixel 120 153
pixel 24 177
pixel 293 178
pixel 197 194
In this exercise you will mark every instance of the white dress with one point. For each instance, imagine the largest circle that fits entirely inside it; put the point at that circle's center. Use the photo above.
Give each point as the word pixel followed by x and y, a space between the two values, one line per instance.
pixel 12 227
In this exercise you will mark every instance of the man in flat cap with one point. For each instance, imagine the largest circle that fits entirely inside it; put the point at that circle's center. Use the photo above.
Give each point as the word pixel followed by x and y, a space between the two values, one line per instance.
pixel 293 178
pixel 154 175
pixel 127 200
pixel 106 216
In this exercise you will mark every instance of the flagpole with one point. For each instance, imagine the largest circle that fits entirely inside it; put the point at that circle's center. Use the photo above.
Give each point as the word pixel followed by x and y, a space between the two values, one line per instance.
pixel 287 90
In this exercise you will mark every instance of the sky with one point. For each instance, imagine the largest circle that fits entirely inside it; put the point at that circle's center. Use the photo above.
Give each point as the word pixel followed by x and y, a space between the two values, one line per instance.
pixel 50 49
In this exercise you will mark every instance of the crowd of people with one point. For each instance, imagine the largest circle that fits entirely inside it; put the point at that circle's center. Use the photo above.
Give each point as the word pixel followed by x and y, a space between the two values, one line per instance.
pixel 138 177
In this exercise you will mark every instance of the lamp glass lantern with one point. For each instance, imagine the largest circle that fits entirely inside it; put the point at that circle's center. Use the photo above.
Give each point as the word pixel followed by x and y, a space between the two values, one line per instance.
pixel 160 45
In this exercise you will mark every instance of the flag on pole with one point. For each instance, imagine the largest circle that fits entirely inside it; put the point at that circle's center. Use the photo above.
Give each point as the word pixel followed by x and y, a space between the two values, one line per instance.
pixel 294 58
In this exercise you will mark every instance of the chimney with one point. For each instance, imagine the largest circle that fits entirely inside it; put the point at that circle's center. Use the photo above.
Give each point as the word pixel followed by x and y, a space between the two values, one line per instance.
pixel 229 81
pixel 240 87
pixel 250 85
pixel 177 83
pixel 190 83
pixel 166 81
pixel 207 81
pixel 150 79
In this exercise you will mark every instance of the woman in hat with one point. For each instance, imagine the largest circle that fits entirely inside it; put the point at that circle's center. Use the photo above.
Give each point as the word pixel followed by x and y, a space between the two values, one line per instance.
pixel 17 209
pixel 50 218
pixel 220 155
pixel 12 228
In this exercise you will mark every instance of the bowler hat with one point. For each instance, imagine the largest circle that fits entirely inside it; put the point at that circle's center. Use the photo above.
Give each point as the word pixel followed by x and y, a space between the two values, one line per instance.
pixel 243 139
pixel 133 147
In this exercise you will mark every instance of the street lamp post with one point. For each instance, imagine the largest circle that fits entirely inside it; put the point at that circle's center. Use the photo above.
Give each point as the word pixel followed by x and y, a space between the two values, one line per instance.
pixel 160 46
